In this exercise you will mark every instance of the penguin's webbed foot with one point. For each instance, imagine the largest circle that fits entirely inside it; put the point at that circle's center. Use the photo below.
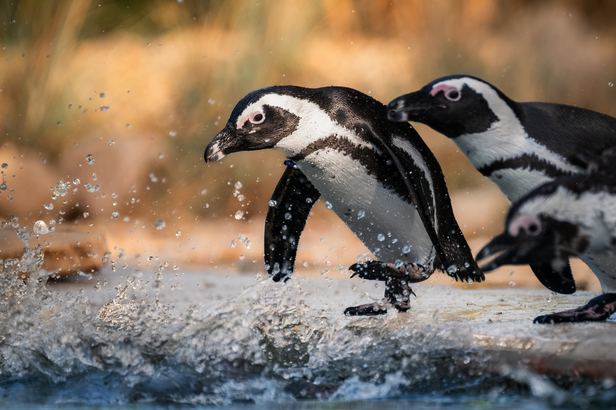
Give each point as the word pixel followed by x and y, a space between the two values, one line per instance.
pixel 597 309
pixel 397 293
pixel 369 309
pixel 376 270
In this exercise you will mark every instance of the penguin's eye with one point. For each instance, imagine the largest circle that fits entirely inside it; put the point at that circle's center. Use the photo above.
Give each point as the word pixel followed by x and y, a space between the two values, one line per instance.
pixel 257 118
pixel 527 224
pixel 453 94
pixel 533 228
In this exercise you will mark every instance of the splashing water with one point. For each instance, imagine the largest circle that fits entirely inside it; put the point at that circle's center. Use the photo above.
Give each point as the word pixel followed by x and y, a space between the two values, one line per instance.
pixel 236 341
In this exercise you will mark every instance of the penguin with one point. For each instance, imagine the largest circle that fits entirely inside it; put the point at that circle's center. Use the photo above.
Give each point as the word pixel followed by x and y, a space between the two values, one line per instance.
pixel 379 177
pixel 574 215
pixel 518 146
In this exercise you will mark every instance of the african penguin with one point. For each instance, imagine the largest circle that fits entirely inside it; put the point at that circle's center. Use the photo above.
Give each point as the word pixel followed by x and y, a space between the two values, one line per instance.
pixel 379 177
pixel 518 146
pixel 573 215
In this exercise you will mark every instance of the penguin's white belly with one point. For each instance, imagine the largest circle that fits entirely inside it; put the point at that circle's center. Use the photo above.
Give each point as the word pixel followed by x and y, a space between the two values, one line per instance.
pixel 384 222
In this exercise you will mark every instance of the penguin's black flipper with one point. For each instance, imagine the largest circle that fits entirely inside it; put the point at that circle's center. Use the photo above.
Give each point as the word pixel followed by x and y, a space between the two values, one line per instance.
pixel 559 282
pixel 290 205
pixel 452 251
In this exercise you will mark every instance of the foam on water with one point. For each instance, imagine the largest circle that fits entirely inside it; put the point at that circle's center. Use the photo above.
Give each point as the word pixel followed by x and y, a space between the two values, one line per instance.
pixel 270 343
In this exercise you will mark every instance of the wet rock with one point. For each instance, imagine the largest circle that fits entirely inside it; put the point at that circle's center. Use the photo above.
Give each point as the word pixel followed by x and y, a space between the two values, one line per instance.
pixel 64 251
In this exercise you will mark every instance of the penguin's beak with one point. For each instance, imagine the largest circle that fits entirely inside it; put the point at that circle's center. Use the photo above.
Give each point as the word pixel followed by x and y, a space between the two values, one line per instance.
pixel 411 107
pixel 226 142
pixel 521 250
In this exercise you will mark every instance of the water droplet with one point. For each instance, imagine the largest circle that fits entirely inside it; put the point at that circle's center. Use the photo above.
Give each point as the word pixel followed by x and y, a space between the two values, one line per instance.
pixel 48 206
pixel 467 265
pixel 511 283
pixel 328 205
pixel 104 108
pixel 309 200
pixel 160 224
pixel 361 214
pixel 244 239
pixel 5 165
pixel 238 185
pixel 239 215
pixel 61 188
pixel 272 203
pixel 469 281
pixel 452 269
pixel 288 216
pixel 111 142
pixel 267 140
pixel 40 228
pixel 90 159
pixel 178 233
pixel 76 181
pixel 92 188
pixel 406 249
pixel 380 237
pixel 153 177
pixel 610 84
pixel 3 186
pixel 114 215
pixel 173 133
pixel 102 95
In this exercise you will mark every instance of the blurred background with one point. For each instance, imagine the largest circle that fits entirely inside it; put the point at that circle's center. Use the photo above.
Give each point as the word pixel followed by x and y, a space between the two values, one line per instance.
pixel 106 108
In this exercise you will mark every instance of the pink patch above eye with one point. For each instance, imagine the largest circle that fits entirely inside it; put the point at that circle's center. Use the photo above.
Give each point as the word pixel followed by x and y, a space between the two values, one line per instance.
pixel 522 223
pixel 442 87
pixel 241 122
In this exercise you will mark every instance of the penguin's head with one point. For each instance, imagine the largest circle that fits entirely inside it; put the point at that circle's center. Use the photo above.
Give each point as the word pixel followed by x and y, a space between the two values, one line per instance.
pixel 261 120
pixel 534 237
pixel 453 105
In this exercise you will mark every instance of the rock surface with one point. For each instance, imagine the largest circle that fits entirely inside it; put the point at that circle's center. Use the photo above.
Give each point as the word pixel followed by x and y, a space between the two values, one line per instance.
pixel 65 251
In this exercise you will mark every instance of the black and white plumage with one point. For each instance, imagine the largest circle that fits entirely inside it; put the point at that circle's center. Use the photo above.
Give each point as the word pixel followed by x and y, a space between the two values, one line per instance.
pixel 379 177
pixel 570 216
pixel 518 146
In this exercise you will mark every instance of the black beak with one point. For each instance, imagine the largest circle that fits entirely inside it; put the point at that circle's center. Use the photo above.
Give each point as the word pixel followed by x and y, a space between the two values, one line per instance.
pixel 549 265
pixel 411 107
pixel 222 144
pixel 521 250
